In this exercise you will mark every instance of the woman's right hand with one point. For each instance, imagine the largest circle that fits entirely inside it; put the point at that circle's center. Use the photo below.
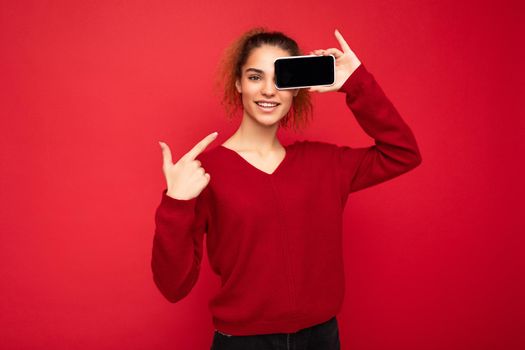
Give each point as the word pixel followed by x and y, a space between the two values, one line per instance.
pixel 186 179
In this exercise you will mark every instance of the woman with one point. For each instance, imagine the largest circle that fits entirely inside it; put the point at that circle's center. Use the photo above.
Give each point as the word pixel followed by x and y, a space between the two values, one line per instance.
pixel 273 213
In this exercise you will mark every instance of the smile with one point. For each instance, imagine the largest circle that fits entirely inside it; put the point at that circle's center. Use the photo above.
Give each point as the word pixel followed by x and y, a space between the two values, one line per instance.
pixel 267 107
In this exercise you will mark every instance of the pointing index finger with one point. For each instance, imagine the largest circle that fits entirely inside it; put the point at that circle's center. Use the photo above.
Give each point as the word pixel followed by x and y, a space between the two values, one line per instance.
pixel 200 146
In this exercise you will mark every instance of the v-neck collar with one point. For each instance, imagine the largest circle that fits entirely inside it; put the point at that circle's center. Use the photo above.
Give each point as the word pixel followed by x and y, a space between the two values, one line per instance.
pixel 250 165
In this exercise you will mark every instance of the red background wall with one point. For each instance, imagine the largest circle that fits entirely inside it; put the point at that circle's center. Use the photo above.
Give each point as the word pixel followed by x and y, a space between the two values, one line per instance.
pixel 89 87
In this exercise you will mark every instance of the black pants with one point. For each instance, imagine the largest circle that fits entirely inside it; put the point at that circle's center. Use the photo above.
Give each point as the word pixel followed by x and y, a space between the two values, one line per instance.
pixel 323 336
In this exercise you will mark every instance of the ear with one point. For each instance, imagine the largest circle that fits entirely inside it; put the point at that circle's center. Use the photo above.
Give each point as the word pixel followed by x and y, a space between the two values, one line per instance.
pixel 295 92
pixel 238 86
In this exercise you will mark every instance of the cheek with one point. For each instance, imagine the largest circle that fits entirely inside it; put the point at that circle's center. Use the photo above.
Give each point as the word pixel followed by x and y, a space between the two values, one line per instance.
pixel 287 99
pixel 249 93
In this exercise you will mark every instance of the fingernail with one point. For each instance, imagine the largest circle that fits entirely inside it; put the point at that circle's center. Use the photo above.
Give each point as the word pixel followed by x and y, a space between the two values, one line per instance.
pixel 215 133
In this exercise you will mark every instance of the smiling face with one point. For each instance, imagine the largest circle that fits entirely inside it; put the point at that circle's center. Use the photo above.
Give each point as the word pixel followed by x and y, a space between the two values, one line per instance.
pixel 257 85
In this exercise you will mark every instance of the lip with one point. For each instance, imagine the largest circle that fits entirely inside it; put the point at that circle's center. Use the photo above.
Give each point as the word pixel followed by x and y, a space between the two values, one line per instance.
pixel 267 109
pixel 268 101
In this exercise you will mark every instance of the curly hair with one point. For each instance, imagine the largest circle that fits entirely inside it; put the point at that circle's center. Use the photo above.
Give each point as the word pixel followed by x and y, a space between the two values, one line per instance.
pixel 236 55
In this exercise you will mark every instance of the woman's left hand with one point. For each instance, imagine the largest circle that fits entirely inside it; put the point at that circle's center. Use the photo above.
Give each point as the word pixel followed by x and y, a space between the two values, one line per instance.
pixel 346 62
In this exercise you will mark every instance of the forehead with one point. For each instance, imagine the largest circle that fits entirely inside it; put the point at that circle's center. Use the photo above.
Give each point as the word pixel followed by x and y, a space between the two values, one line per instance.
pixel 263 57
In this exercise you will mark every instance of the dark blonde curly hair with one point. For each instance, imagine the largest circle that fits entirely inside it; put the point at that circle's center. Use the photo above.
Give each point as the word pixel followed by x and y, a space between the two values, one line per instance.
pixel 236 55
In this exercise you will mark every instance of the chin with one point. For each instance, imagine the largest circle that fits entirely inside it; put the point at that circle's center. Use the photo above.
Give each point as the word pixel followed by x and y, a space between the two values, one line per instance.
pixel 268 120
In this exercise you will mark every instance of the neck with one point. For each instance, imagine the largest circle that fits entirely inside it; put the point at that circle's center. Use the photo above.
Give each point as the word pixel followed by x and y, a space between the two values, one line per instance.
pixel 254 136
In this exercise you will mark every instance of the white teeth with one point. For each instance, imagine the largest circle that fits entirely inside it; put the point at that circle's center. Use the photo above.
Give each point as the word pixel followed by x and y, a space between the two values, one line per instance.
pixel 266 104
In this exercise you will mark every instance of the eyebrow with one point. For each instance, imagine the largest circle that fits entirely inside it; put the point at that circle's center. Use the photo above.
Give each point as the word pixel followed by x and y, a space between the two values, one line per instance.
pixel 255 70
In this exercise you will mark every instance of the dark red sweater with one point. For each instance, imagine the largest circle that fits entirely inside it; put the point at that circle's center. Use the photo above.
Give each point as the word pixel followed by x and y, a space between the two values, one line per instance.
pixel 275 239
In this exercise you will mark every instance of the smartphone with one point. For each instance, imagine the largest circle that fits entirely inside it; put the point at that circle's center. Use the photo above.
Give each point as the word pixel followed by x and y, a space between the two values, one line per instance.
pixel 295 72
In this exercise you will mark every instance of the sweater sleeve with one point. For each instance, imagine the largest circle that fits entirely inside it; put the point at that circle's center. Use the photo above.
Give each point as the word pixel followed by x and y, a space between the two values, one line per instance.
pixel 395 150
pixel 177 244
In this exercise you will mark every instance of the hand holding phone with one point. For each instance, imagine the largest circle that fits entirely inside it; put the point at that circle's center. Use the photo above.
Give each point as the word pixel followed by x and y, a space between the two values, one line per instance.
pixel 346 62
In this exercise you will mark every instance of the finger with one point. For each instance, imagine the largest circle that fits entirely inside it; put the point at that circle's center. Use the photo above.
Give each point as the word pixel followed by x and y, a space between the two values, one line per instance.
pixel 336 52
pixel 166 153
pixel 342 42
pixel 316 89
pixel 200 146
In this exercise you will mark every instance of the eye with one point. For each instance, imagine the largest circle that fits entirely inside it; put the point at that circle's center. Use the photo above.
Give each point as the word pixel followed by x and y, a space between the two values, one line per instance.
pixel 253 76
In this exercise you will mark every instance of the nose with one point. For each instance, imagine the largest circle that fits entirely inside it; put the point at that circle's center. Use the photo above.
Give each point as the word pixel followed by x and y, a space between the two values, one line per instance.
pixel 269 88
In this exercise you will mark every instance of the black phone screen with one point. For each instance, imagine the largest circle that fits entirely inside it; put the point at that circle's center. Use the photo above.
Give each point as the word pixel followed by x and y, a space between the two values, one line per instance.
pixel 304 71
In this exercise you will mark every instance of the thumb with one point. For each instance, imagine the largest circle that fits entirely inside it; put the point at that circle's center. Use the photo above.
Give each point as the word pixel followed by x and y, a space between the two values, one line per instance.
pixel 166 153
